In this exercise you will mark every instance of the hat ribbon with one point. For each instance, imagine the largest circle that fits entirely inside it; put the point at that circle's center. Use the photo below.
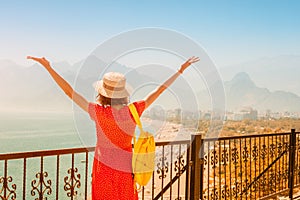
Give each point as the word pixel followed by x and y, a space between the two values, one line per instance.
pixel 112 88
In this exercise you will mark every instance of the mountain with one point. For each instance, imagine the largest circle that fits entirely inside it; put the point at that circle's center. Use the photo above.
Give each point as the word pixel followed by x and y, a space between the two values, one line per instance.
pixel 28 88
pixel 275 73
pixel 31 88
pixel 241 91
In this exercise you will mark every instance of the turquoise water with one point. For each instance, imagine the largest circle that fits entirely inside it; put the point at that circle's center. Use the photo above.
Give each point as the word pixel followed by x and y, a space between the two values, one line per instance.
pixel 30 132
pixel 23 132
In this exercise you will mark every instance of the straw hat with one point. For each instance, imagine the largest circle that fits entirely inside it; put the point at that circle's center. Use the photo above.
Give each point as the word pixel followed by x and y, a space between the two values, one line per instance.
pixel 113 85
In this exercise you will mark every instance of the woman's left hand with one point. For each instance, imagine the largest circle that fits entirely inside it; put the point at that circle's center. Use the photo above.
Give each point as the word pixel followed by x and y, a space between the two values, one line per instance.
pixel 188 63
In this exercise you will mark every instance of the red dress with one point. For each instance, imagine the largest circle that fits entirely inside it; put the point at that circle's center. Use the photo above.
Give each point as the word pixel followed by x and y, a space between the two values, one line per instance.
pixel 112 170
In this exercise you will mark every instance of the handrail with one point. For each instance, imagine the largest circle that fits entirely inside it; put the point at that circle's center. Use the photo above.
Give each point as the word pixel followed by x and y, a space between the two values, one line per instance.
pixel 245 136
pixel 19 155
pixel 32 154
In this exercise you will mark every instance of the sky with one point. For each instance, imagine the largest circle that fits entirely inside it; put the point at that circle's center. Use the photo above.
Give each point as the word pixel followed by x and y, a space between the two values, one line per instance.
pixel 231 31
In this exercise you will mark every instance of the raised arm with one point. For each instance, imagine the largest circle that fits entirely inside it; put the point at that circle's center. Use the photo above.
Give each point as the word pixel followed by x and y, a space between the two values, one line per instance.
pixel 64 85
pixel 159 90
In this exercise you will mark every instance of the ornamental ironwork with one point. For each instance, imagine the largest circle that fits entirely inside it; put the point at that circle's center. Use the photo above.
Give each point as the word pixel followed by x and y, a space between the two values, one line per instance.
pixel 162 167
pixel 179 165
pixel 72 182
pixel 41 186
pixel 7 192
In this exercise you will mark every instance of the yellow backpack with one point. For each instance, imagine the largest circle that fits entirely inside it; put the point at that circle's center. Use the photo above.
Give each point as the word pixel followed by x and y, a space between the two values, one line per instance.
pixel 143 157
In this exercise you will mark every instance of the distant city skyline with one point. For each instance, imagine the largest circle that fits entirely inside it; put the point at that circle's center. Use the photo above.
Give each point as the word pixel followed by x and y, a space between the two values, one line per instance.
pixel 232 32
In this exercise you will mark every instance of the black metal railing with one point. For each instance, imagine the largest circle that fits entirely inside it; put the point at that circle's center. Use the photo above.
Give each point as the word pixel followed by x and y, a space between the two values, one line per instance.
pixel 250 167
pixel 52 174
pixel 66 173
pixel 171 176
pixel 240 167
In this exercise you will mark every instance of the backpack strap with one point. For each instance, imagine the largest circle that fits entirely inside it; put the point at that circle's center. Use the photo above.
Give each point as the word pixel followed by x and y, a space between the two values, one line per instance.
pixel 135 115
pixel 136 118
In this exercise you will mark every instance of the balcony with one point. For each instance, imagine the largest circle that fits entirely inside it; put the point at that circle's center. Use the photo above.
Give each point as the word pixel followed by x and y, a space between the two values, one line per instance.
pixel 243 167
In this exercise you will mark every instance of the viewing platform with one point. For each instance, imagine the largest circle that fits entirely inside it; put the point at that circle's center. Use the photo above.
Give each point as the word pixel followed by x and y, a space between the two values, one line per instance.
pixel 263 166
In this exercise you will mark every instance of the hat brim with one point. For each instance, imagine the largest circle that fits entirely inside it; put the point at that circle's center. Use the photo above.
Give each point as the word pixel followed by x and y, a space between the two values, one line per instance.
pixel 114 94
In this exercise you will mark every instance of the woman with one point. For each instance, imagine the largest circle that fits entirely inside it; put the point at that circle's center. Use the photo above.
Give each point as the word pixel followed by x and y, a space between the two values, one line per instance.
pixel 112 177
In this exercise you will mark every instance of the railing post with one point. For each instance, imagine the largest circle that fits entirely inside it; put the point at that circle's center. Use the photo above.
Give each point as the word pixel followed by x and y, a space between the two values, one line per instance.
pixel 292 162
pixel 196 163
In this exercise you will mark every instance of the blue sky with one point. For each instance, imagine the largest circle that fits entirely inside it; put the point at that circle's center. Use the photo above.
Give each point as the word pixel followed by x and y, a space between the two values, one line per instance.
pixel 230 31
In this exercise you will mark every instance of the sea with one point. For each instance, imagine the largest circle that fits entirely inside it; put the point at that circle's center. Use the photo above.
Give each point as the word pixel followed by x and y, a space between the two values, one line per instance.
pixel 28 132
pixel 21 132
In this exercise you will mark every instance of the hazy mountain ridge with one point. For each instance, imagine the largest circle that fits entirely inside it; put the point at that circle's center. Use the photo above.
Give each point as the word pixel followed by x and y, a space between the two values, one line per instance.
pixel 32 88
pixel 241 91
pixel 275 73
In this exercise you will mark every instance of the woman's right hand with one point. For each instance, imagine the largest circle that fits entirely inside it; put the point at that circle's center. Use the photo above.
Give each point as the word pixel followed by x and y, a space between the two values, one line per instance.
pixel 43 61
pixel 63 84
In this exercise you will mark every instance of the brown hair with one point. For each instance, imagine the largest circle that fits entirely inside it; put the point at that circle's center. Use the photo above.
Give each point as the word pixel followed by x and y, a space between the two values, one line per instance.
pixel 106 101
